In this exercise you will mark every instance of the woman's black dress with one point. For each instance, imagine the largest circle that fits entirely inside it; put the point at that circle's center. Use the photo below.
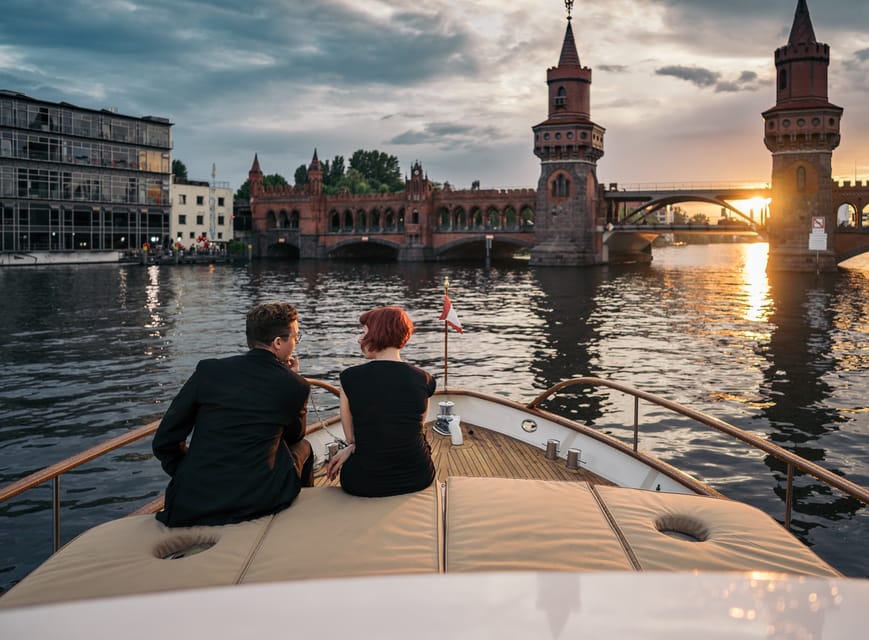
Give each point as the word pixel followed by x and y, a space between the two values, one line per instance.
pixel 388 401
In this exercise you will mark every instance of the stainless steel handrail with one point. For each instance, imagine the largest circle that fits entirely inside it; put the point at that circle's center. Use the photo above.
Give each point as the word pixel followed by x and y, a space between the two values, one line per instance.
pixel 53 472
pixel 792 460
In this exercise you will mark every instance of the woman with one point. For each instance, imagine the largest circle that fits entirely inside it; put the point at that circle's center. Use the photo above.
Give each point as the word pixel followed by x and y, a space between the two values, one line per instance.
pixel 383 406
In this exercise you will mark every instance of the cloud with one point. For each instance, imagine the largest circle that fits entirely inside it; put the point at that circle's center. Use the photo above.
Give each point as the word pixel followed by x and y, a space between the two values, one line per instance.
pixel 696 75
pixel 446 135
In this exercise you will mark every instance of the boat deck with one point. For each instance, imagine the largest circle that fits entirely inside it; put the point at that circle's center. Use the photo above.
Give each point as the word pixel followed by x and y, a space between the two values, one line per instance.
pixel 488 454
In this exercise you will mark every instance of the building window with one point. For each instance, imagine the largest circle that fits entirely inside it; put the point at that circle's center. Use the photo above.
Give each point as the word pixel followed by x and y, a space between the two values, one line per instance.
pixel 783 79
pixel 561 187
pixel 192 235
pixel 200 199
pixel 200 219
pixel 182 198
pixel 182 219
pixel 221 220
pixel 220 235
pixel 801 179
pixel 220 202
pixel 561 97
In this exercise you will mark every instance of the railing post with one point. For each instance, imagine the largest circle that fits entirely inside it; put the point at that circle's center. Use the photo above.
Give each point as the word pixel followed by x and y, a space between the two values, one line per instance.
pixel 636 422
pixel 56 512
pixel 789 495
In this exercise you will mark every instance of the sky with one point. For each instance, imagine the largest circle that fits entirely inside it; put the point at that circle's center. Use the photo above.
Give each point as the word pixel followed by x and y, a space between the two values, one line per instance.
pixel 679 85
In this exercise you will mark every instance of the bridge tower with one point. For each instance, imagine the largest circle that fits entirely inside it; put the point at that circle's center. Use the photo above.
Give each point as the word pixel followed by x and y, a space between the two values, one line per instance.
pixel 569 145
pixel 801 131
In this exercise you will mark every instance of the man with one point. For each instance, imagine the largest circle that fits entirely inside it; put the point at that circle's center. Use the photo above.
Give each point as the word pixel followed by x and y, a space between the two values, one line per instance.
pixel 247 457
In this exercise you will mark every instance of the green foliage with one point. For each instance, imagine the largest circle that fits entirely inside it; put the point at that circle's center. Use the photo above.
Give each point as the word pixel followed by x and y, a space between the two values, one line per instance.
pixel 179 169
pixel 274 179
pixel 378 168
pixel 700 218
pixel 301 175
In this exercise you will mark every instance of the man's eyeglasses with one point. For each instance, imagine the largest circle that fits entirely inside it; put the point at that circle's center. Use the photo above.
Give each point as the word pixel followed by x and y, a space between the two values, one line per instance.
pixel 296 336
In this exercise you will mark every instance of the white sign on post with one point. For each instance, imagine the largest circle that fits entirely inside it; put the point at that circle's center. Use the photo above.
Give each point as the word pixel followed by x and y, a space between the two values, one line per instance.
pixel 817 241
pixel 819 223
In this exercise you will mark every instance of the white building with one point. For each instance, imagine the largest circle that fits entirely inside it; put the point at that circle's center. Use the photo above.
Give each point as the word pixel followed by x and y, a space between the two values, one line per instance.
pixel 200 210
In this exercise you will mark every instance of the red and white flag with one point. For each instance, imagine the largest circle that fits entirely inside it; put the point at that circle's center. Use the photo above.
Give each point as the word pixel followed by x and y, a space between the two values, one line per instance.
pixel 449 314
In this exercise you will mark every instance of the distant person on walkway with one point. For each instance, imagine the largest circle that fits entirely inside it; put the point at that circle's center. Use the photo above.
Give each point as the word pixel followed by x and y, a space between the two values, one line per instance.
pixel 383 407
pixel 247 457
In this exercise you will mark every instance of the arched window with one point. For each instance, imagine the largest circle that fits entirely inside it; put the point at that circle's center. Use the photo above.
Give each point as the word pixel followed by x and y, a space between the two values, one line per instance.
pixel 783 79
pixel 801 178
pixel 561 187
pixel 561 97
pixel 334 221
pixel 415 216
pixel 294 219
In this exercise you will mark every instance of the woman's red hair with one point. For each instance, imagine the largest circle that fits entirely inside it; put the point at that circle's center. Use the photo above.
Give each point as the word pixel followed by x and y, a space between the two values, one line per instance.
pixel 387 327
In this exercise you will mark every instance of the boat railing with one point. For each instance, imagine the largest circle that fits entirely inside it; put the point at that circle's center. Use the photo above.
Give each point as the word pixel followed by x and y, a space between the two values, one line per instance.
pixel 792 460
pixel 54 472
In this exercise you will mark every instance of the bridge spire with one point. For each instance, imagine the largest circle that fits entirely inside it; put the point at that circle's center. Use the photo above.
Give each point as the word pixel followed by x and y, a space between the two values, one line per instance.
pixel 568 4
pixel 802 30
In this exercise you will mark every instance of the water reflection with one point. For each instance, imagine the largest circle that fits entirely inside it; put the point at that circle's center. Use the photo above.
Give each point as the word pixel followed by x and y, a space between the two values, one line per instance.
pixel 756 282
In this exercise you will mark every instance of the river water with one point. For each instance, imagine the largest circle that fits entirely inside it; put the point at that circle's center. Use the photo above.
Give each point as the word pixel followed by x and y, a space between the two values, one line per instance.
pixel 91 351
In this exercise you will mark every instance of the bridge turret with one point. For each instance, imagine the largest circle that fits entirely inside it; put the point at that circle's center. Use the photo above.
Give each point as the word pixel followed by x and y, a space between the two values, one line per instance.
pixel 801 131
pixel 315 176
pixel 255 178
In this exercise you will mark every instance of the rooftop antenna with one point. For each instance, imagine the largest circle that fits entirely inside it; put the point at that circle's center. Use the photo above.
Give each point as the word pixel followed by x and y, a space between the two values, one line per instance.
pixel 568 4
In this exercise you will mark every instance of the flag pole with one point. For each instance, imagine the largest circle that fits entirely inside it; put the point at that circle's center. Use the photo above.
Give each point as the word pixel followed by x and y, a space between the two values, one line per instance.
pixel 446 331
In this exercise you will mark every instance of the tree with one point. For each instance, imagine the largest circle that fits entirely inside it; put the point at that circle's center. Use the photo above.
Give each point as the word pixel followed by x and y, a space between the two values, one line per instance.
pixel 179 169
pixel 475 185
pixel 700 218
pixel 272 180
pixel 333 174
pixel 378 168
pixel 301 175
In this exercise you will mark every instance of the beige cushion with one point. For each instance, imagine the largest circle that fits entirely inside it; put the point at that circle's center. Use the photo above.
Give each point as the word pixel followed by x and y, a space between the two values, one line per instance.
pixel 126 556
pixel 735 536
pixel 328 533
pixel 498 524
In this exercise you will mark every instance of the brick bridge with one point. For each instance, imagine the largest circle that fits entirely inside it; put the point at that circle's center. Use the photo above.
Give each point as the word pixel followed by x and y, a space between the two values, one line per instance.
pixel 422 223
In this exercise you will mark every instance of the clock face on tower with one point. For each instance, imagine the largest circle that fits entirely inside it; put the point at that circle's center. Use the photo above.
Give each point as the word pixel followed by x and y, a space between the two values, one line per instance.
pixel 416 172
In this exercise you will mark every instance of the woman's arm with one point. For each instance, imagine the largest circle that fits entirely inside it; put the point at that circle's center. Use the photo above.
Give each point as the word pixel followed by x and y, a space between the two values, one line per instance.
pixel 346 419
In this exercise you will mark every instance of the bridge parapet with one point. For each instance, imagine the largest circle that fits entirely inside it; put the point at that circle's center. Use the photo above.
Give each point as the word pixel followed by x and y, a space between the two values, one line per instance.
pixel 847 184
pixel 687 186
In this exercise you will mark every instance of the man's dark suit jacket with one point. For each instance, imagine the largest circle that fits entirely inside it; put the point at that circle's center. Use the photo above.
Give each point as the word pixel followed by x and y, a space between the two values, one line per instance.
pixel 244 412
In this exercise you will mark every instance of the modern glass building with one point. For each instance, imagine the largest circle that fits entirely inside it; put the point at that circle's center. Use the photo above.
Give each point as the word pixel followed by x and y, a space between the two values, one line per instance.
pixel 81 180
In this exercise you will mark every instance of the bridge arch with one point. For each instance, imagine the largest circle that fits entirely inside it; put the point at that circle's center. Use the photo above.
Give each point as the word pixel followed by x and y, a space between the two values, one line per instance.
pixel 373 247
pixel 656 203
pixel 474 246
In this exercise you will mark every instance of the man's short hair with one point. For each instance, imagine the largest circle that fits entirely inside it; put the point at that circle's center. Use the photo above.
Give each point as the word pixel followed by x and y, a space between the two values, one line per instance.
pixel 267 321
pixel 387 327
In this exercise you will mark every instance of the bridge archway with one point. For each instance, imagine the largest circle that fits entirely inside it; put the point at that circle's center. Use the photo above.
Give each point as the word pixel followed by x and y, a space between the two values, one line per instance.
pixel 282 251
pixel 474 248
pixel 372 249
pixel 649 207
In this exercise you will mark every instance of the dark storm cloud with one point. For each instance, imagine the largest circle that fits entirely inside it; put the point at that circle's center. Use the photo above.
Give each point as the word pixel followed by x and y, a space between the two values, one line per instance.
pixel 179 49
